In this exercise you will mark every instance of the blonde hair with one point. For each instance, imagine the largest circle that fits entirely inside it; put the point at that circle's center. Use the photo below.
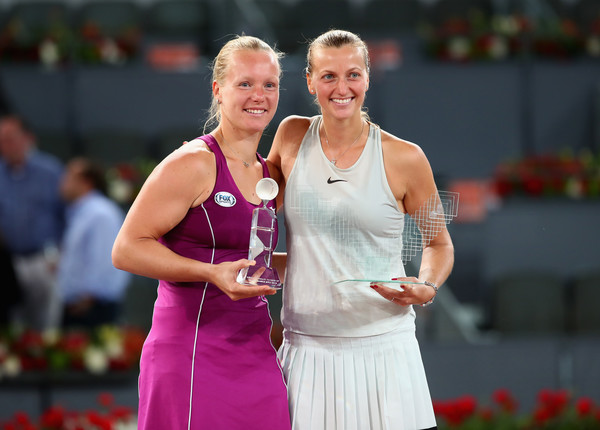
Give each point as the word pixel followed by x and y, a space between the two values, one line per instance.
pixel 338 39
pixel 221 63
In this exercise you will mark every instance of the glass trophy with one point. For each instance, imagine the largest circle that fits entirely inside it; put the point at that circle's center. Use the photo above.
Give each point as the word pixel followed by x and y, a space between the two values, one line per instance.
pixel 262 240
pixel 420 228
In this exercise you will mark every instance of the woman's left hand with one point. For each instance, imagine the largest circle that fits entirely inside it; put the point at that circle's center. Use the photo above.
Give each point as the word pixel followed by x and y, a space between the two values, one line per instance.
pixel 414 292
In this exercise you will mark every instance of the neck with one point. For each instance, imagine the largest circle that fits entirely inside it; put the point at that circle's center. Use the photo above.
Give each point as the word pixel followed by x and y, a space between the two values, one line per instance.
pixel 242 148
pixel 341 134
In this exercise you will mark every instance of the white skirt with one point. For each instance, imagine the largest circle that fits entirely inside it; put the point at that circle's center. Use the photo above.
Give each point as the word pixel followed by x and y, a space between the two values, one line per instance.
pixel 360 383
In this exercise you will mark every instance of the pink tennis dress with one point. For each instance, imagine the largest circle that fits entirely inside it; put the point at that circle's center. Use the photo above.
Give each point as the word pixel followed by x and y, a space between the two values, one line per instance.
pixel 208 361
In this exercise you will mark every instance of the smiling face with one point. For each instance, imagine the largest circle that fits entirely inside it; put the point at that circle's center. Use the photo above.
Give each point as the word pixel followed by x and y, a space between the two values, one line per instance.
pixel 340 80
pixel 249 94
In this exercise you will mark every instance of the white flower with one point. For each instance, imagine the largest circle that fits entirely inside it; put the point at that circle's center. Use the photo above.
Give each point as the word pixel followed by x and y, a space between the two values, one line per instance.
pixel 111 53
pixel 593 46
pixel 48 52
pixel 114 348
pixel 51 336
pixel 95 360
pixel 498 48
pixel 459 48
pixel 11 366
pixel 120 190
pixel 129 425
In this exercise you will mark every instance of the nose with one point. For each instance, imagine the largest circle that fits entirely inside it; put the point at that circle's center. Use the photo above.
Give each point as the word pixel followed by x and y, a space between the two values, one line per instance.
pixel 258 93
pixel 342 86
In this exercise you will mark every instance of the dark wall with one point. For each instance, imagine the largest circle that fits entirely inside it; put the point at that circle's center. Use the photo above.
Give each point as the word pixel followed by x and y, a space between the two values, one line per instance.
pixel 467 117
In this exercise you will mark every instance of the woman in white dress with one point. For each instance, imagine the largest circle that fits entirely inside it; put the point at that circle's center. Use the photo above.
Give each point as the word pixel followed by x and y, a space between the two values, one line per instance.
pixel 350 355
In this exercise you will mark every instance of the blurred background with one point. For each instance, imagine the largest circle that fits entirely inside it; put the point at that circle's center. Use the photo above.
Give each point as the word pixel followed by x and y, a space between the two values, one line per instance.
pixel 502 95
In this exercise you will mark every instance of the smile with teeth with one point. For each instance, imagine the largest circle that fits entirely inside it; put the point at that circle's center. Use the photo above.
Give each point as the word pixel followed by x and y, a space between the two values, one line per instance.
pixel 256 111
pixel 342 101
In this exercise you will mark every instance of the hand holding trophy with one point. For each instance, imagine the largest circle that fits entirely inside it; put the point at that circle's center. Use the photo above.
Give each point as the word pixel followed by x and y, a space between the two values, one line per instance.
pixel 262 240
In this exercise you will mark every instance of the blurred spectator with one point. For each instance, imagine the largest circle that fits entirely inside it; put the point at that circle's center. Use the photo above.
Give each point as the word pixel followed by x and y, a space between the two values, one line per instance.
pixel 31 221
pixel 90 286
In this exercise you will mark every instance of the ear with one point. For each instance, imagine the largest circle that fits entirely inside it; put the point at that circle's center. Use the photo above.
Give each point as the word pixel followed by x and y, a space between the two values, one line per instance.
pixel 216 90
pixel 309 84
pixel 367 87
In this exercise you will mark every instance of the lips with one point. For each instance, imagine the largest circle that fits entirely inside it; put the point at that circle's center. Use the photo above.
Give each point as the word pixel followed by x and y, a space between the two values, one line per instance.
pixel 255 111
pixel 342 101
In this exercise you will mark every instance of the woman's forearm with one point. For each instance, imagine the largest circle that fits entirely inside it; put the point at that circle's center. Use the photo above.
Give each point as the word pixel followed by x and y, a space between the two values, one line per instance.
pixel 147 257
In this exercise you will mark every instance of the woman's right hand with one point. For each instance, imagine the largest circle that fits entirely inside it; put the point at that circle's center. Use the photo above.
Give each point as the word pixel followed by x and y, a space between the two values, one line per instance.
pixel 224 275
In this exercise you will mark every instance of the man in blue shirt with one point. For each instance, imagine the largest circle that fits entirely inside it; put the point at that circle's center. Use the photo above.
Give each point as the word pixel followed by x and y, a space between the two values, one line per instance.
pixel 91 287
pixel 31 220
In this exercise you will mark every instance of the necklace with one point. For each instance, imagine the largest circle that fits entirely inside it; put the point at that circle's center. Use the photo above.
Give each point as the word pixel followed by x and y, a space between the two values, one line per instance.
pixel 335 160
pixel 237 154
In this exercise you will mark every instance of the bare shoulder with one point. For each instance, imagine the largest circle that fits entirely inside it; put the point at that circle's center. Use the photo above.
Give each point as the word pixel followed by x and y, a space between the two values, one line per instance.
pixel 193 156
pixel 191 167
pixel 287 141
pixel 402 153
pixel 292 129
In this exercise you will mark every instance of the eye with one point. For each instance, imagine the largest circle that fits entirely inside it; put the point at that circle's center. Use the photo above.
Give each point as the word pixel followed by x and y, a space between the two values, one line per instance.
pixel 244 84
pixel 355 75
pixel 271 85
pixel 328 76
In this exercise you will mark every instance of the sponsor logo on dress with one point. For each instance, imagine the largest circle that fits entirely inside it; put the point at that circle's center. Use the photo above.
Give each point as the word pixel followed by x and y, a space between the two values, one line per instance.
pixel 225 199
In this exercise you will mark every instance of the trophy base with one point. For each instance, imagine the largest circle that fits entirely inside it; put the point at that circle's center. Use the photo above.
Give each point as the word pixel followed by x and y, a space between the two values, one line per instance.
pixel 257 276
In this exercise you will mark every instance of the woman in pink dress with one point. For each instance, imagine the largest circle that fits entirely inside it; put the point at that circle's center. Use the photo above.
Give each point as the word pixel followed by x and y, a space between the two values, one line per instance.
pixel 208 362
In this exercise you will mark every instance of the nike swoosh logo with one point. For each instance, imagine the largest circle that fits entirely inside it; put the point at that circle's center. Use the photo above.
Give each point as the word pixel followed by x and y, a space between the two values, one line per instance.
pixel 330 181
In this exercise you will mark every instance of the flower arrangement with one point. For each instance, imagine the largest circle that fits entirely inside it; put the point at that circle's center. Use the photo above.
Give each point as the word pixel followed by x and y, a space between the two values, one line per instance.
pixel 124 180
pixel 560 175
pixel 95 47
pixel 499 37
pixel 554 410
pixel 49 45
pixel 108 348
pixel 110 417
pixel 58 43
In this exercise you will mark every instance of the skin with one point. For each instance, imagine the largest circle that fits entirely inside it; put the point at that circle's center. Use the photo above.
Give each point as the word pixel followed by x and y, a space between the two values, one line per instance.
pixel 339 81
pixel 15 142
pixel 185 179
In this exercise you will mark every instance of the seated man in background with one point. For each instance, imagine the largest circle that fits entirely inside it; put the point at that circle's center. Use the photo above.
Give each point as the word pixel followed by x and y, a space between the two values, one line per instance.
pixel 90 286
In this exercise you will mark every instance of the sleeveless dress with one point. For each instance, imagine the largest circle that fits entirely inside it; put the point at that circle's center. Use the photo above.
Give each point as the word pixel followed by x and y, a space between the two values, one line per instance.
pixel 350 357
pixel 208 362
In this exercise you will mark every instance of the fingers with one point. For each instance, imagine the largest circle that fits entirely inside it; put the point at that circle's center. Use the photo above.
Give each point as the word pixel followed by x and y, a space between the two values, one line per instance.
pixel 242 291
pixel 253 280
pixel 402 297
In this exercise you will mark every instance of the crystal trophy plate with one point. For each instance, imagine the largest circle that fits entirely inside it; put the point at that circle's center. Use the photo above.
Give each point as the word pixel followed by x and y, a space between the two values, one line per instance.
pixel 386 282
pixel 262 240
pixel 420 228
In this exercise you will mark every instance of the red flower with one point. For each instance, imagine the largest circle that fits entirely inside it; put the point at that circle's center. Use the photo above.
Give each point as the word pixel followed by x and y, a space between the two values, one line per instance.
pixel 106 399
pixel 53 417
pixel 541 415
pixel 554 402
pixel 503 398
pixel 584 406
pixel 121 413
pixel 486 414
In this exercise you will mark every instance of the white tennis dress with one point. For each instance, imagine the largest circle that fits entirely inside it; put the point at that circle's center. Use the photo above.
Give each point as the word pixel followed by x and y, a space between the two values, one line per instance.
pixel 350 357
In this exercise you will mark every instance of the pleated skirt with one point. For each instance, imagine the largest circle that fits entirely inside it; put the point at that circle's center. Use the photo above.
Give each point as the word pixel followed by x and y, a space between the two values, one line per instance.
pixel 361 383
